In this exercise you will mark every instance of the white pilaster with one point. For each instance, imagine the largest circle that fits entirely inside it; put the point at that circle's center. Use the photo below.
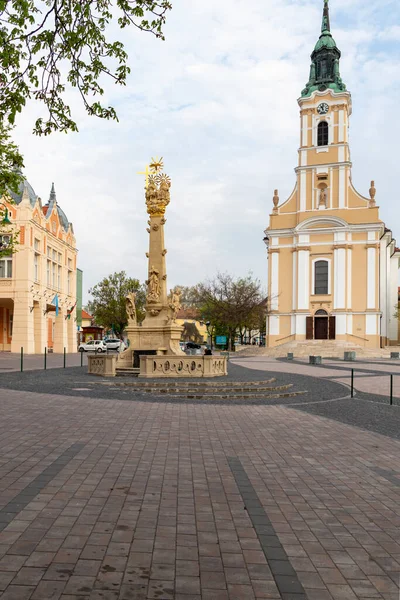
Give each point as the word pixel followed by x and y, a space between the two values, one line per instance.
pixel 303 191
pixel 349 277
pixel 303 280
pixel 350 324
pixel 339 297
pixel 341 133
pixel 371 324
pixel 371 278
pixel 314 131
pixel 341 323
pixel 274 325
pixel 342 187
pixel 300 324
pixel 292 324
pixel 304 141
pixel 294 282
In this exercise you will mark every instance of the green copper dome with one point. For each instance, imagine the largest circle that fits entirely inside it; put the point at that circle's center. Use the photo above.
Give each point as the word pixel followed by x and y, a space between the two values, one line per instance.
pixel 325 41
pixel 324 72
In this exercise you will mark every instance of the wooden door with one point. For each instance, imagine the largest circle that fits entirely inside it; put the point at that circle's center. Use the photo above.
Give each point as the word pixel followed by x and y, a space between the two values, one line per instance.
pixel 332 328
pixel 309 328
pixel 321 328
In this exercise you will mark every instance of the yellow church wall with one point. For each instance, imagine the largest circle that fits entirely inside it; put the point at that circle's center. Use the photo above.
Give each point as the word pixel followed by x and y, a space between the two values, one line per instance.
pixel 315 158
pixel 316 238
pixel 288 221
pixel 286 271
pixel 356 200
pixel 290 205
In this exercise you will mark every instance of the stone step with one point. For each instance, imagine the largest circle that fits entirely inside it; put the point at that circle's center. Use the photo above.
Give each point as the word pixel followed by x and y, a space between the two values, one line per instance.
pixel 127 372
pixel 233 397
pixel 195 384
pixel 208 391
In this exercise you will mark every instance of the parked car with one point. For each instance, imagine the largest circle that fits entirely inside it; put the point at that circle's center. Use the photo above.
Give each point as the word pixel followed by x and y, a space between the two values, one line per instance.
pixel 193 349
pixel 182 346
pixel 93 346
pixel 115 344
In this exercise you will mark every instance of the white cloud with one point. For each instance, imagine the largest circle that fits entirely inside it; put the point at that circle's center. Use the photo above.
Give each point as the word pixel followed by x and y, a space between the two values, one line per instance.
pixel 218 101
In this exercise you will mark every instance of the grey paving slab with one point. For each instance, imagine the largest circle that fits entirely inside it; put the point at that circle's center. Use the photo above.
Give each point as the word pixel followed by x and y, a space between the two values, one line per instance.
pixel 149 507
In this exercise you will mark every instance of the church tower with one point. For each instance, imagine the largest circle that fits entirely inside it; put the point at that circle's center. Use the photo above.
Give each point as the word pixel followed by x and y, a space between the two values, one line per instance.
pixel 333 265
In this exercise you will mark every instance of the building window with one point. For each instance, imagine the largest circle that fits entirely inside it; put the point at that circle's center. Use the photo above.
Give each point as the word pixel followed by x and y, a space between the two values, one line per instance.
pixel 69 282
pixel 48 273
pixel 37 245
pixel 323 133
pixel 54 274
pixel 321 285
pixel 59 279
pixel 36 266
pixel 6 268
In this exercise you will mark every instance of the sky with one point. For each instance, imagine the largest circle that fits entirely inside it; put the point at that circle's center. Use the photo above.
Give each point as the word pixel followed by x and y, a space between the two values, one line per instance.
pixel 218 101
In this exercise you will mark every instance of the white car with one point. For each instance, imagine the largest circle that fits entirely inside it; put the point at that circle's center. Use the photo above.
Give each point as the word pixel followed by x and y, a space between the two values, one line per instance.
pixel 115 344
pixel 93 346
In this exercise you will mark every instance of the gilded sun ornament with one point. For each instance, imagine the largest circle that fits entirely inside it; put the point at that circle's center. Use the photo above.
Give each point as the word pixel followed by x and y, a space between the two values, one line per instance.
pixel 156 164
pixel 163 178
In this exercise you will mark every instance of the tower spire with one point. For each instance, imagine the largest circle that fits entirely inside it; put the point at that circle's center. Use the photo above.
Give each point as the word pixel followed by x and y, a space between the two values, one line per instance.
pixel 326 24
pixel 53 194
pixel 325 72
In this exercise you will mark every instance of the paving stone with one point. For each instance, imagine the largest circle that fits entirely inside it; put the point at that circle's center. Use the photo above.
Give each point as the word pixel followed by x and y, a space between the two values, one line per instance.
pixel 142 501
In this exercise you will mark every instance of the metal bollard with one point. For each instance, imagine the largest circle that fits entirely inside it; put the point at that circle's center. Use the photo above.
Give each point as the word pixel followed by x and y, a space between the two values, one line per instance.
pixel 45 358
pixel 81 353
pixel 22 359
pixel 352 383
pixel 391 390
pixel 64 357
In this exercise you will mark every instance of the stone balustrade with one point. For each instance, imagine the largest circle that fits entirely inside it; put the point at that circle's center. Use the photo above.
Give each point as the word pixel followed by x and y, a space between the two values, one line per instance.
pixel 183 366
pixel 102 364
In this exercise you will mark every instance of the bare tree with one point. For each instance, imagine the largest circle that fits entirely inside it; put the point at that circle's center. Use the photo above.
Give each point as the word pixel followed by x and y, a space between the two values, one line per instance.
pixel 230 303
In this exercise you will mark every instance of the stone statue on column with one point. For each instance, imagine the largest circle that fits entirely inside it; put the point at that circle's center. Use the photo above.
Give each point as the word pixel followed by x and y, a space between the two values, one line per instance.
pixel 159 333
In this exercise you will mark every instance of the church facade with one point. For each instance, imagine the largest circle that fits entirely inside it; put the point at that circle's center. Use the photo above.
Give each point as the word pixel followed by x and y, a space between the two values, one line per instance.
pixel 332 263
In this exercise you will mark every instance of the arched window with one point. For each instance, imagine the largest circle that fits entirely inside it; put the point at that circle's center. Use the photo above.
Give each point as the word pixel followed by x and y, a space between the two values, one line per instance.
pixel 323 133
pixel 321 277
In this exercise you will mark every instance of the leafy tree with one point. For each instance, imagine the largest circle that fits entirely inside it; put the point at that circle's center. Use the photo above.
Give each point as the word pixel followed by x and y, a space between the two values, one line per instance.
pixel 189 296
pixel 48 46
pixel 229 303
pixel 108 305
pixel 11 162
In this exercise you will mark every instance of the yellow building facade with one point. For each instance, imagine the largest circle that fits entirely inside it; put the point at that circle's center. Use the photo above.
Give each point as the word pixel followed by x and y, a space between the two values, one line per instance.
pixel 38 281
pixel 332 263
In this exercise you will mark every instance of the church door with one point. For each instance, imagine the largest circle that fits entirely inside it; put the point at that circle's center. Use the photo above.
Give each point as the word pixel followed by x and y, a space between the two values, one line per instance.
pixel 321 328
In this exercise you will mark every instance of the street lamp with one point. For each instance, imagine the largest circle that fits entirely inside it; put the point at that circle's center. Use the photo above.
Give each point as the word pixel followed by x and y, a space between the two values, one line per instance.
pixel 5 220
pixel 209 334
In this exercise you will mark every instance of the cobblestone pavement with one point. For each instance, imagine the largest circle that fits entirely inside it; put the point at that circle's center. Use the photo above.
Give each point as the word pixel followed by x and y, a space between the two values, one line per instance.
pixel 103 499
pixel 371 377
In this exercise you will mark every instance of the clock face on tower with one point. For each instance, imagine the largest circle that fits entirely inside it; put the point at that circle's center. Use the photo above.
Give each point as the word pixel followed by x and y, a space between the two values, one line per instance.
pixel 323 108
